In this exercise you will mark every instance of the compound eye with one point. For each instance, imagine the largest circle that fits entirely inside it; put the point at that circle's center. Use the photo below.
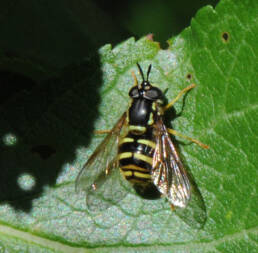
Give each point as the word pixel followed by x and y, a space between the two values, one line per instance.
pixel 134 92
pixel 153 93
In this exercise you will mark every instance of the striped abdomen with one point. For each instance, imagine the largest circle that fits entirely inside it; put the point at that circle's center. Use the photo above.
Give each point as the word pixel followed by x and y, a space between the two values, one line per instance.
pixel 135 156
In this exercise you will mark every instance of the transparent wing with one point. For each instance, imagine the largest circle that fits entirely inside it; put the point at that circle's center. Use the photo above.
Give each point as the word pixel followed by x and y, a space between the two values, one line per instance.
pixel 102 165
pixel 168 173
pixel 109 193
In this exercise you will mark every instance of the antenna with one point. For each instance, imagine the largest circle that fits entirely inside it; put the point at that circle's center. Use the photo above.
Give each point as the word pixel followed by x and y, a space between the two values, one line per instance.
pixel 140 69
pixel 148 72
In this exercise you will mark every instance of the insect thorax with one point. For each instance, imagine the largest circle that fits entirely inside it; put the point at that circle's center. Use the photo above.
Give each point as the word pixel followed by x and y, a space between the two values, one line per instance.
pixel 142 113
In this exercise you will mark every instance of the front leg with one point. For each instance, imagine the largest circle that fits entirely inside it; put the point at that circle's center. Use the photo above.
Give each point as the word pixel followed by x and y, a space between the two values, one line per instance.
pixel 172 131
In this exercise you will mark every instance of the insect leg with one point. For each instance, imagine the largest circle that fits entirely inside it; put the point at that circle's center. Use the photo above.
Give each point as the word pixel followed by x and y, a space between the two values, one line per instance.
pixel 102 131
pixel 173 208
pixel 172 131
pixel 180 94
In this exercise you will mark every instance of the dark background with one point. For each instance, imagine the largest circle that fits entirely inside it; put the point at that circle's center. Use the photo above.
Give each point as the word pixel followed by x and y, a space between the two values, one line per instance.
pixel 60 32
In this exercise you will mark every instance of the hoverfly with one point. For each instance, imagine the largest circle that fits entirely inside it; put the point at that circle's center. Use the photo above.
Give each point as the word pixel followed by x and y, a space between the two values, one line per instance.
pixel 140 149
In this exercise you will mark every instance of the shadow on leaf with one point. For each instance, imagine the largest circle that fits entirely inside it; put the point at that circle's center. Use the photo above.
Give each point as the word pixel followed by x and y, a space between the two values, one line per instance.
pixel 49 120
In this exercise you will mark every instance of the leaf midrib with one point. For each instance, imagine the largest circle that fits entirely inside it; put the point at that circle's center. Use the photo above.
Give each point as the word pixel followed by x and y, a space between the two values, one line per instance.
pixel 55 245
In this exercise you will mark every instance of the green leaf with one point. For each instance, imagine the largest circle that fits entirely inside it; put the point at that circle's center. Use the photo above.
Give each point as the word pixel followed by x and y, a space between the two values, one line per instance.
pixel 218 52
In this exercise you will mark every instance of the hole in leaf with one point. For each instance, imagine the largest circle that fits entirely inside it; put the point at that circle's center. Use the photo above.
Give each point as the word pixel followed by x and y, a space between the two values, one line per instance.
pixel 189 76
pixel 44 151
pixel 225 37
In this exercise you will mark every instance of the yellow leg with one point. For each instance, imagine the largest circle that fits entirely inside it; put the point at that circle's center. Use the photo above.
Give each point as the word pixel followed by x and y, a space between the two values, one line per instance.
pixel 172 131
pixel 181 93
pixel 173 208
pixel 135 79
pixel 102 131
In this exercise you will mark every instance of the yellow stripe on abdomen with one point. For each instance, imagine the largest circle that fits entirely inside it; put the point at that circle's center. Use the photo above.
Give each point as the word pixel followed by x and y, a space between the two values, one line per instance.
pixel 141 175
pixel 137 129
pixel 125 155
pixel 134 167
pixel 127 173
pixel 144 158
pixel 126 140
pixel 147 143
